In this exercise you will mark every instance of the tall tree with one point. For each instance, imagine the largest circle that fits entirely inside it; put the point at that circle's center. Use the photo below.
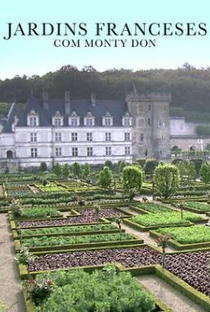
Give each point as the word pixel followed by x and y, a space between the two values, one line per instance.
pixel 105 178
pixel 205 172
pixel 132 177
pixel 166 178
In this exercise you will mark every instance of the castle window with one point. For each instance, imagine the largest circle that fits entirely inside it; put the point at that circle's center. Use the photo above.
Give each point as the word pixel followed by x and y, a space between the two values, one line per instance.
pixel 57 120
pixel 34 152
pixel 160 123
pixel 74 151
pixel 89 151
pixel 127 121
pixel 32 119
pixel 33 137
pixel 149 122
pixel 127 136
pixel 74 137
pixel 108 151
pixel 89 120
pixel 127 150
pixel 141 137
pixel 149 107
pixel 89 136
pixel 107 120
pixel 108 136
pixel 58 152
pixel 58 137
pixel 74 120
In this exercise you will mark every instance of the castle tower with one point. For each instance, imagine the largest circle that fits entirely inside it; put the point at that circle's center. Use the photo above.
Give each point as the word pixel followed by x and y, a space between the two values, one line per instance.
pixel 150 128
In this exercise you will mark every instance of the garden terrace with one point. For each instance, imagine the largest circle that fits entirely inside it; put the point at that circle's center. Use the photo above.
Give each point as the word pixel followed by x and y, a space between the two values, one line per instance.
pixel 87 216
pixel 51 187
pixel 128 257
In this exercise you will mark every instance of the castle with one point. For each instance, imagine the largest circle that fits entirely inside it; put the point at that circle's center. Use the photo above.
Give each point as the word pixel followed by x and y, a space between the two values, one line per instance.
pixel 86 130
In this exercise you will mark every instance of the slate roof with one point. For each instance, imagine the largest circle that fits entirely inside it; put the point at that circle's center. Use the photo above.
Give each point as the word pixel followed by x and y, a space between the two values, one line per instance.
pixel 117 110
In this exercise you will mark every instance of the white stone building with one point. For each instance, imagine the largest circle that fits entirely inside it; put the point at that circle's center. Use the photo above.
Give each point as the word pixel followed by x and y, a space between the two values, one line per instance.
pixel 66 131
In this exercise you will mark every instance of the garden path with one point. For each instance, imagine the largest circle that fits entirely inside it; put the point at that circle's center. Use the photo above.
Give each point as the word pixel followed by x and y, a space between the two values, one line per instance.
pixel 10 288
pixel 169 295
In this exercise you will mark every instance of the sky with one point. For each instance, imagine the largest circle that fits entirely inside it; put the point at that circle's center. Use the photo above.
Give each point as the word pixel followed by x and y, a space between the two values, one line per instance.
pixel 32 55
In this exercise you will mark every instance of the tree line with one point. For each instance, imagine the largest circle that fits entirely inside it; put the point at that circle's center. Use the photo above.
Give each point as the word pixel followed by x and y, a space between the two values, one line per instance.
pixel 189 86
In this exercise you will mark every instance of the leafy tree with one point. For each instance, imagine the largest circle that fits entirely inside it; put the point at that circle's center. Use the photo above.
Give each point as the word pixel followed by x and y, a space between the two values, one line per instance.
pixel 76 169
pixel 150 166
pixel 108 164
pixel 182 168
pixel 205 172
pixel 121 165
pixel 86 170
pixel 132 177
pixel 166 178
pixel 43 166
pixel 105 177
pixel 57 169
pixel 191 171
pixel 65 170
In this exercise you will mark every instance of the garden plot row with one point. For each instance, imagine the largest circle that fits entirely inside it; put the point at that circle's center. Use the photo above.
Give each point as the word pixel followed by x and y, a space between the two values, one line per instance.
pixel 86 255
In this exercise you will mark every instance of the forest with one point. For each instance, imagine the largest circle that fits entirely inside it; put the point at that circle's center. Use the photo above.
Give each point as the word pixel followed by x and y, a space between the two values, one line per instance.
pixel 189 87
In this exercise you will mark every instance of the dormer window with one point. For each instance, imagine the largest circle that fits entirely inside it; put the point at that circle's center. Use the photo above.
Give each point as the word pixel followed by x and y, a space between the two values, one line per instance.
pixel 127 120
pixel 74 120
pixel 107 120
pixel 33 119
pixel 57 120
pixel 89 120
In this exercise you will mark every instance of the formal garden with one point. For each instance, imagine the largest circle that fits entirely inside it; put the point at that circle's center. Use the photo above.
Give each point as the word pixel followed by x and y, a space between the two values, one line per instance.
pixel 87 238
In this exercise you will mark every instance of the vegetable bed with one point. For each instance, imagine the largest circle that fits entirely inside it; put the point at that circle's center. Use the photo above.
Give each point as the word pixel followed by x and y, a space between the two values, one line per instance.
pixel 88 216
pixel 78 291
pixel 193 268
pixel 165 218
pixel 129 257
pixel 71 240
pixel 153 208
pixel 188 235
pixel 198 206
pixel 68 229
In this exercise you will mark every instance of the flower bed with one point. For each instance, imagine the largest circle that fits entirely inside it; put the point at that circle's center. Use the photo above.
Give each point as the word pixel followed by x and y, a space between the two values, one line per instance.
pixel 88 216
pixel 166 219
pixel 28 213
pixel 188 235
pixel 129 257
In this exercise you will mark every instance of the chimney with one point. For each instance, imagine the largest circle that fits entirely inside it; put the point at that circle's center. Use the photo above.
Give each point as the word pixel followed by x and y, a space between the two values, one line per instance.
pixel 45 100
pixel 93 99
pixel 67 102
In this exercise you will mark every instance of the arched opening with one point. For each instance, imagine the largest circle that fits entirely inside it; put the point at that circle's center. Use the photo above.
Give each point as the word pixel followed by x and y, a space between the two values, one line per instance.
pixel 175 148
pixel 9 154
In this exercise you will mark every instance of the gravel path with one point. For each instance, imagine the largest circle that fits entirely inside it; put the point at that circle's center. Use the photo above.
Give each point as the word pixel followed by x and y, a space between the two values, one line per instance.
pixel 10 287
pixel 170 296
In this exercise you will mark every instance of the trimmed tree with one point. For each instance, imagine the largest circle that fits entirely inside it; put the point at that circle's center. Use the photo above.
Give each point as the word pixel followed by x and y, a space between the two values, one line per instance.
pixel 132 177
pixel 43 166
pixel 65 170
pixel 182 168
pixel 76 169
pixel 57 169
pixel 191 171
pixel 86 170
pixel 204 172
pixel 105 178
pixel 167 179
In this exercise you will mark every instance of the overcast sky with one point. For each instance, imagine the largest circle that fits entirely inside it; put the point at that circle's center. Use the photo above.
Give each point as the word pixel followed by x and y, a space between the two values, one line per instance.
pixel 37 56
